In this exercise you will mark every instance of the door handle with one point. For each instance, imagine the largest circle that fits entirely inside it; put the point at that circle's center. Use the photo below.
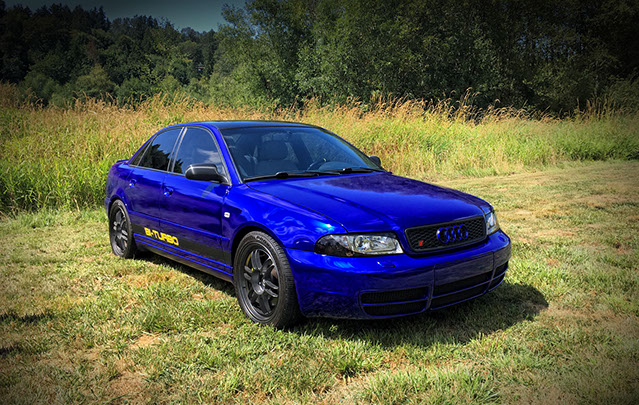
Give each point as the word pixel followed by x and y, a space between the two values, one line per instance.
pixel 168 191
pixel 132 182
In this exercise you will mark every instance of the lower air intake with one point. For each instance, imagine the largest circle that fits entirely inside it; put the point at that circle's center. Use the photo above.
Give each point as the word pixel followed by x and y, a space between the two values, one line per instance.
pixel 395 309
pixel 379 297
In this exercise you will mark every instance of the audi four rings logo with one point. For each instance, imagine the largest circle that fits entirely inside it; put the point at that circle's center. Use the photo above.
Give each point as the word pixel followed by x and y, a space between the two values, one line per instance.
pixel 455 233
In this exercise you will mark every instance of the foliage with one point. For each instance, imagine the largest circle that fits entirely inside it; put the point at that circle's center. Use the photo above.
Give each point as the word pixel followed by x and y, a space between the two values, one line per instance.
pixel 547 55
pixel 58 54
pixel 95 83
pixel 60 157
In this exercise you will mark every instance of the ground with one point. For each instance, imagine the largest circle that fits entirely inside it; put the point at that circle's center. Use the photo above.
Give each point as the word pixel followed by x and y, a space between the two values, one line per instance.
pixel 78 324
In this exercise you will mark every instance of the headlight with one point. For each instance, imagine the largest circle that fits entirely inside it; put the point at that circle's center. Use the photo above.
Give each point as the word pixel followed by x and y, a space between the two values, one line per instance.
pixel 365 244
pixel 492 225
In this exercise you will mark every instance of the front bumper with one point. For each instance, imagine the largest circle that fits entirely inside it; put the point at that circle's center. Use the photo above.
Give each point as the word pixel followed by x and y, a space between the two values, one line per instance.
pixel 389 286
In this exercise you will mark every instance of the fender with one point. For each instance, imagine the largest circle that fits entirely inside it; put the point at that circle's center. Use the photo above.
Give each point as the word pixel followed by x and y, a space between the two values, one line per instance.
pixel 117 183
pixel 293 226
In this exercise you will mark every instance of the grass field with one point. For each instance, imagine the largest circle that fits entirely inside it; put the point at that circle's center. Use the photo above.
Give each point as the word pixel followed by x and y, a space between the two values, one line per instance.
pixel 78 324
pixel 53 157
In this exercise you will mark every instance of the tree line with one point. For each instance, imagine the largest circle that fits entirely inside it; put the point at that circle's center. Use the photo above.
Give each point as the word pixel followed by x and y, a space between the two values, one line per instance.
pixel 545 55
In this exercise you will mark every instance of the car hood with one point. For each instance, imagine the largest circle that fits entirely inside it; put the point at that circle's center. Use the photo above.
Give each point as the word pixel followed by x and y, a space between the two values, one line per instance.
pixel 375 201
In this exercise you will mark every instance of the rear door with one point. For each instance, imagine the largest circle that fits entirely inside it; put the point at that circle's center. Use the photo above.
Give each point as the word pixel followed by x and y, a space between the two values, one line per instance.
pixel 146 179
pixel 192 209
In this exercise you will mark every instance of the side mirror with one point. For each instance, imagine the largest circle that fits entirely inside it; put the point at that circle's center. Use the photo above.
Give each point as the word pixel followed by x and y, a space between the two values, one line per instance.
pixel 204 172
pixel 376 160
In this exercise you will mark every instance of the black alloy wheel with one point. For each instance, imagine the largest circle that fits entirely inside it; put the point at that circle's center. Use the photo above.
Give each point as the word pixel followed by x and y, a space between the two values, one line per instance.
pixel 264 281
pixel 120 232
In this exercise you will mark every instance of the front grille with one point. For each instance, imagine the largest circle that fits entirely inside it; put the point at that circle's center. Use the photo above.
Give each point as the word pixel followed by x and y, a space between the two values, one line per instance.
pixel 449 293
pixel 410 294
pixel 395 309
pixel 395 302
pixel 461 284
pixel 501 269
pixel 500 272
pixel 460 296
pixel 424 238
pixel 496 281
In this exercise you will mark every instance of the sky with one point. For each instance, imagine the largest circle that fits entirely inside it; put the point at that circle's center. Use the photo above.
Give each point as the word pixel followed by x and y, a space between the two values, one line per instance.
pixel 201 15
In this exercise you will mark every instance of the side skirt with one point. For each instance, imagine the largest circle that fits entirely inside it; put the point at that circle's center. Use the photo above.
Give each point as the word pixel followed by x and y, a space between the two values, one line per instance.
pixel 163 250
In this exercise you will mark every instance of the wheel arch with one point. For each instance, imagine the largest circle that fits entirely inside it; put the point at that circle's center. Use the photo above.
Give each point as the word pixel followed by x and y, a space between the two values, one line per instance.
pixel 112 200
pixel 245 230
pixel 118 196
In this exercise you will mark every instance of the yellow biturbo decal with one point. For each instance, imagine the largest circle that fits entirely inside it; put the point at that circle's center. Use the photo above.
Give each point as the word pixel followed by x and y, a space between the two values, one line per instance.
pixel 162 236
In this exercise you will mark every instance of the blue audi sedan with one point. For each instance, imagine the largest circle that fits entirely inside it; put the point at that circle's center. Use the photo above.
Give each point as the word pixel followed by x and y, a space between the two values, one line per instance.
pixel 302 222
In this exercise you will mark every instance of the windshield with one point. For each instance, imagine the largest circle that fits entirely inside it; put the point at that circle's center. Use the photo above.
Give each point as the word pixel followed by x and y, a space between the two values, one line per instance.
pixel 266 151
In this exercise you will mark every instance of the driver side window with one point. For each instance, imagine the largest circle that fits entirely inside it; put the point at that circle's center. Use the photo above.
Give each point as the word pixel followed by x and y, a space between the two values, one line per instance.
pixel 197 146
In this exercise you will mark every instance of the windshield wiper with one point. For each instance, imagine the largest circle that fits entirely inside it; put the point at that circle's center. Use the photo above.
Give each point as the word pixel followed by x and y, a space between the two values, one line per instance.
pixel 290 174
pixel 312 173
pixel 348 170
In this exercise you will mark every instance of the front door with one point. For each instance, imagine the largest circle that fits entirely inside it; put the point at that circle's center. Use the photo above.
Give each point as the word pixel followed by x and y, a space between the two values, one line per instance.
pixel 192 209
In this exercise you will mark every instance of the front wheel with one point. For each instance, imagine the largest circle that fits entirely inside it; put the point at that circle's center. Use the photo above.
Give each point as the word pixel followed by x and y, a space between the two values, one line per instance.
pixel 264 282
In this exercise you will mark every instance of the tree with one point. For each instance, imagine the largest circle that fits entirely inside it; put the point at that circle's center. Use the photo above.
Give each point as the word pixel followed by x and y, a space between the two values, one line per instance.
pixel 95 84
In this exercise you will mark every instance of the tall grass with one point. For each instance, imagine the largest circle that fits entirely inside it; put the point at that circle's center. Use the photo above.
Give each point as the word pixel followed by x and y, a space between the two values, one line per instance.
pixel 60 157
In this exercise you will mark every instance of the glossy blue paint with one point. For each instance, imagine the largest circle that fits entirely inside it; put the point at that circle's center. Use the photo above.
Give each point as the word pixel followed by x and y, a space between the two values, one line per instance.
pixel 193 211
pixel 332 286
pixel 208 218
pixel 375 201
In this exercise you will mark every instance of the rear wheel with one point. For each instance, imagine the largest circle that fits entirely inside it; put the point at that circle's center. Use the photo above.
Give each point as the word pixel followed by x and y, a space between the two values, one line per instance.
pixel 264 282
pixel 120 232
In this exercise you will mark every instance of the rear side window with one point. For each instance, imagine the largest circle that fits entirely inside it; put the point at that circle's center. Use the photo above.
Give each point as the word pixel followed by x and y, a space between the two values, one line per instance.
pixel 158 154
pixel 136 160
pixel 197 146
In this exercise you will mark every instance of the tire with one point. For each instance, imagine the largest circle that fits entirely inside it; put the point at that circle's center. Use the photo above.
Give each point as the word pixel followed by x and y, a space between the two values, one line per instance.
pixel 120 231
pixel 264 282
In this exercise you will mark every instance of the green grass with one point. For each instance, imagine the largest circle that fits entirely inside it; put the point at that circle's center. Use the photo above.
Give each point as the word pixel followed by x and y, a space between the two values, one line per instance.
pixel 53 157
pixel 78 324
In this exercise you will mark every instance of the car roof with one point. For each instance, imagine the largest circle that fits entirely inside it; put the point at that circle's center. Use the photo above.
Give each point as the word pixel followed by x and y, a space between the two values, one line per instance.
pixel 221 125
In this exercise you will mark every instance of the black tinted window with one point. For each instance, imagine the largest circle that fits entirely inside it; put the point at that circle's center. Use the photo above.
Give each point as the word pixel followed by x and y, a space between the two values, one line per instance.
pixel 158 154
pixel 136 160
pixel 268 150
pixel 197 146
